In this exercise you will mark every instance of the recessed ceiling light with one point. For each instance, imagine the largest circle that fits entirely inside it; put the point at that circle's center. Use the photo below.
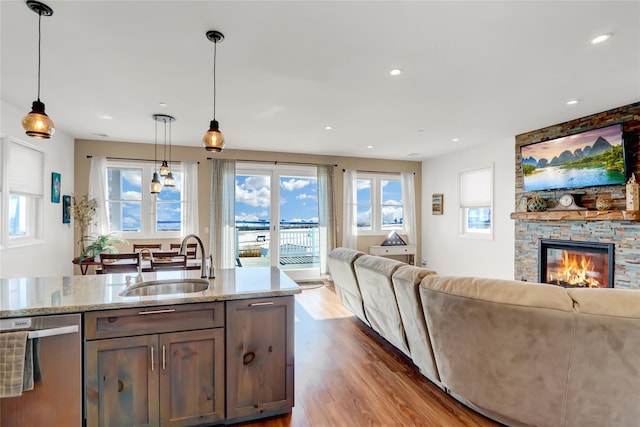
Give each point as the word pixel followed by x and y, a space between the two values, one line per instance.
pixel 369 146
pixel 101 135
pixel 395 72
pixel 328 128
pixel 601 38
pixel 573 102
pixel 420 130
pixel 105 116
pixel 164 104
pixel 413 154
pixel 456 139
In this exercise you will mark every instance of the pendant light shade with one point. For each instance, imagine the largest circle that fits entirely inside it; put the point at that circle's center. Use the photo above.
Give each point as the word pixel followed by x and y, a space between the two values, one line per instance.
pixel 37 124
pixel 155 187
pixel 164 168
pixel 169 180
pixel 213 139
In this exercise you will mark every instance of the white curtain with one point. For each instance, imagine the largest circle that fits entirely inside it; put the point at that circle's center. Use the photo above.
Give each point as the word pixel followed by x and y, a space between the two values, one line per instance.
pixel 222 218
pixel 98 191
pixel 190 195
pixel 349 222
pixel 326 214
pixel 409 208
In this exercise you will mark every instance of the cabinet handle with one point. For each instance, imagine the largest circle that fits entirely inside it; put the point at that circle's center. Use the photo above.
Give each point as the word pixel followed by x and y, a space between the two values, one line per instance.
pixel 257 304
pixel 153 361
pixel 164 357
pixel 248 358
pixel 169 310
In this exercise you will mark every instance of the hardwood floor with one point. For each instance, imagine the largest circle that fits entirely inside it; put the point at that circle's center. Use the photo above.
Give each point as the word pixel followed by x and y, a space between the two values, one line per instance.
pixel 346 375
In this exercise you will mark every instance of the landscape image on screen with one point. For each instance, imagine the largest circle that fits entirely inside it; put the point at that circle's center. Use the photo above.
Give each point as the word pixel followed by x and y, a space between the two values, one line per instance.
pixel 586 159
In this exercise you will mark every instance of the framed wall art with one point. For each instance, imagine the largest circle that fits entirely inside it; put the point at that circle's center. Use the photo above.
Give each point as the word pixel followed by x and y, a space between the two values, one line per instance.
pixel 55 187
pixel 66 209
pixel 437 204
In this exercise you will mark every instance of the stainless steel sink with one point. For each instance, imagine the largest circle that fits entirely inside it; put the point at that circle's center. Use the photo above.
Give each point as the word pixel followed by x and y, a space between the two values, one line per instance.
pixel 164 287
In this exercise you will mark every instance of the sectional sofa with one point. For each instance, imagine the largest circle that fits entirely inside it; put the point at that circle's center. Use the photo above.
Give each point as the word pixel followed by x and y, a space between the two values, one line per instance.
pixel 523 354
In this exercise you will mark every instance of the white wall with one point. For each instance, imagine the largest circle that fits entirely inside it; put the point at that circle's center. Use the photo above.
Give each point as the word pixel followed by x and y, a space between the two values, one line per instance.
pixel 53 256
pixel 444 250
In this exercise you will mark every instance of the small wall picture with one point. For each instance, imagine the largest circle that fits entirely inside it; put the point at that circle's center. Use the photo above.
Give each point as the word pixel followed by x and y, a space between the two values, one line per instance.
pixel 437 204
pixel 66 209
pixel 55 187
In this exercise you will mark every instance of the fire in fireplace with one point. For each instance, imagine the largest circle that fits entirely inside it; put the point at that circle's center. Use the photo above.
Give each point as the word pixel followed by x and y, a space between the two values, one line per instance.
pixel 576 264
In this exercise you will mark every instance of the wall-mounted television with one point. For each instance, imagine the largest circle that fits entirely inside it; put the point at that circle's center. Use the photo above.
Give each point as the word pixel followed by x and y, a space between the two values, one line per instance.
pixel 587 159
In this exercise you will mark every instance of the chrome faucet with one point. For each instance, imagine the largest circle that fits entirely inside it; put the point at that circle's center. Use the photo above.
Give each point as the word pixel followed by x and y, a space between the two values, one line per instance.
pixel 206 269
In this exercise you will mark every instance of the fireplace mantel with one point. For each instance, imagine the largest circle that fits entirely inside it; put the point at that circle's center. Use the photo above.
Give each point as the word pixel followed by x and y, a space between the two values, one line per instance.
pixel 578 216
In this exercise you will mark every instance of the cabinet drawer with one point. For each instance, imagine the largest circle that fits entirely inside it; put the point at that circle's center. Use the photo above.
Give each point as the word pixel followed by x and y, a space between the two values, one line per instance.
pixel 151 320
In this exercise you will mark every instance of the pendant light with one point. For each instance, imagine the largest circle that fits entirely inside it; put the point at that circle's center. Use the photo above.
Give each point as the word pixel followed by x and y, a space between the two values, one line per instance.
pixel 164 168
pixel 169 180
pixel 155 186
pixel 213 140
pixel 37 124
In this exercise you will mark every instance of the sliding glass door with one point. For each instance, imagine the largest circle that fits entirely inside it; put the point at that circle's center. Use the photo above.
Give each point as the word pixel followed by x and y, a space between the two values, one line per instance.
pixel 277 218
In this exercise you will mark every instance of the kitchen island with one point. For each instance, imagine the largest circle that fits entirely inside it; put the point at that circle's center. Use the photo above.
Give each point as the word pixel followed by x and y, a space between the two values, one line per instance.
pixel 217 356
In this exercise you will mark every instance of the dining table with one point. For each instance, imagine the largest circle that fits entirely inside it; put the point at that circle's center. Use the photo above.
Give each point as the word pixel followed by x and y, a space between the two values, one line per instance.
pixel 192 264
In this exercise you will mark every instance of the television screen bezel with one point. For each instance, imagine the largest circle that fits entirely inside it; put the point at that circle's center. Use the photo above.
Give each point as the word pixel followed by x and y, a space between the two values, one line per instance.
pixel 626 172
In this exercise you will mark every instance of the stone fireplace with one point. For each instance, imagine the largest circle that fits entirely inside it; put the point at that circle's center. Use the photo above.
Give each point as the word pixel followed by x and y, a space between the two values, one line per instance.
pixel 616 228
pixel 574 264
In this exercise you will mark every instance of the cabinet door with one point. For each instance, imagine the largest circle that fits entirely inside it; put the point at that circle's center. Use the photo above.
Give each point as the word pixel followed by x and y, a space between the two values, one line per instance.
pixel 191 377
pixel 260 355
pixel 122 382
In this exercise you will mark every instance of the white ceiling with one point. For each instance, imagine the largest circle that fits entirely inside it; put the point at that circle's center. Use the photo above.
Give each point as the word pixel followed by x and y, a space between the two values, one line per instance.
pixel 474 70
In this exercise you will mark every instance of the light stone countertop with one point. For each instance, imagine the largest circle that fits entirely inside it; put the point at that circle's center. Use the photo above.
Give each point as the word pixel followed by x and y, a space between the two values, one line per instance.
pixel 73 294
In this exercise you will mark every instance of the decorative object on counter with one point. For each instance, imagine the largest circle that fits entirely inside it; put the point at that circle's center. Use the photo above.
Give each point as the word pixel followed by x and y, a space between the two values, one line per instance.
pixel 66 209
pixel 84 211
pixel 568 202
pixel 633 194
pixel 213 139
pixel 437 204
pixel 522 204
pixel 603 203
pixel 103 243
pixel 393 239
pixel 37 124
pixel 536 204
pixel 55 187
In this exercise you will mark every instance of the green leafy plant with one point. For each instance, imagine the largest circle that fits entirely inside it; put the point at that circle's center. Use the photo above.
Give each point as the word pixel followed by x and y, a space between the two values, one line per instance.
pixel 104 243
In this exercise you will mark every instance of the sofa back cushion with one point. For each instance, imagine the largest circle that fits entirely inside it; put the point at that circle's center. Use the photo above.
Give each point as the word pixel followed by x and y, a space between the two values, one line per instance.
pixel 380 305
pixel 501 345
pixel 406 285
pixel 604 375
pixel 340 262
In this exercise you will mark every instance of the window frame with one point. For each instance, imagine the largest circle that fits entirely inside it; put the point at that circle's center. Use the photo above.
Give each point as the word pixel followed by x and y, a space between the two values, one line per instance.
pixel 148 202
pixel 377 228
pixel 486 202
pixel 34 202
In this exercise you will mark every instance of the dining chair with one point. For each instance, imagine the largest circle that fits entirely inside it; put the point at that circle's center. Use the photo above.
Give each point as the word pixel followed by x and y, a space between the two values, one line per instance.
pixel 177 262
pixel 120 263
pixel 137 247
pixel 192 249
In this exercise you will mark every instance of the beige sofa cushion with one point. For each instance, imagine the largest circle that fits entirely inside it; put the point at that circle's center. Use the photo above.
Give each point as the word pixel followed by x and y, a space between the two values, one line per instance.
pixel 406 284
pixel 604 375
pixel 503 345
pixel 340 262
pixel 380 306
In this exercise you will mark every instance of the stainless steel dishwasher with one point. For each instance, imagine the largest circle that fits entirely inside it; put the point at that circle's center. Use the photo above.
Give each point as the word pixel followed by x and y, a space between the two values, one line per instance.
pixel 56 400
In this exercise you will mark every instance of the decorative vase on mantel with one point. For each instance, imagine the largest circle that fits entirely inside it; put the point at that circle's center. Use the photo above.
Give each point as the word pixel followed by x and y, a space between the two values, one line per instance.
pixel 537 204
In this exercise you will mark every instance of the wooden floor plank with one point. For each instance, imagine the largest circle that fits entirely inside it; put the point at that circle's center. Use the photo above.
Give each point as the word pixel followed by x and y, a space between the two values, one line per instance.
pixel 346 375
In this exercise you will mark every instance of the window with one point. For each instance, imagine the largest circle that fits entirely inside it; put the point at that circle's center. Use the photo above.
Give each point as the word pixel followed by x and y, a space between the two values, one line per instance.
pixel 379 205
pixel 136 213
pixel 476 203
pixel 22 193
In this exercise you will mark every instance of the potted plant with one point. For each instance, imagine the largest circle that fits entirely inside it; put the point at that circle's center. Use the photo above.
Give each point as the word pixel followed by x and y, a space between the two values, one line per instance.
pixel 103 243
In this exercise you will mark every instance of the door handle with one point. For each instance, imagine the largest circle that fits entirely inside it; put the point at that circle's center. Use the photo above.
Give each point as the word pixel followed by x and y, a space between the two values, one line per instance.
pixel 153 361
pixel 164 357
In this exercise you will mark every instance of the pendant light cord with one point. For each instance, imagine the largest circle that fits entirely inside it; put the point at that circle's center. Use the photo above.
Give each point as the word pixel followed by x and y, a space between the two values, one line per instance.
pixel 164 120
pixel 170 142
pixel 39 43
pixel 155 147
pixel 215 45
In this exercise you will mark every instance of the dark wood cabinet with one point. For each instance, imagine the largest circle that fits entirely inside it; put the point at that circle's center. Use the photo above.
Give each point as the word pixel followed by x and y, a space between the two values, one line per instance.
pixel 260 356
pixel 167 379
